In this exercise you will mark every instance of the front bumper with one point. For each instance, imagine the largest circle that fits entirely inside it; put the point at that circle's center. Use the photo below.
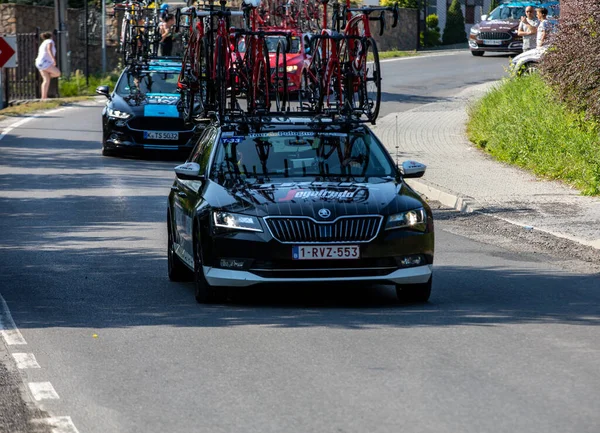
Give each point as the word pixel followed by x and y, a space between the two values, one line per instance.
pixel 231 278
pixel 120 136
pixel 507 46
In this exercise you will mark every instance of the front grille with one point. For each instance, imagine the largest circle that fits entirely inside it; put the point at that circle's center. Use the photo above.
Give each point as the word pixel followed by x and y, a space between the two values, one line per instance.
pixel 308 231
pixel 158 124
pixel 495 36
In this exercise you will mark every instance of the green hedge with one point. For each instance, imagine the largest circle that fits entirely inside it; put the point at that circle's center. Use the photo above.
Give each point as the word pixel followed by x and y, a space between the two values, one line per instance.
pixel 522 122
pixel 75 85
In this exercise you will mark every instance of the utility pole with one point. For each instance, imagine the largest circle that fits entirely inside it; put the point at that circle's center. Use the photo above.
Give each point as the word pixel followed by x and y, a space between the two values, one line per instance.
pixel 60 10
pixel 103 36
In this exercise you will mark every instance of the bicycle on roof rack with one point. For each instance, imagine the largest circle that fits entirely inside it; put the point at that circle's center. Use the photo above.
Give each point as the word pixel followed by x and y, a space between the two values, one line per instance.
pixel 344 72
pixel 139 37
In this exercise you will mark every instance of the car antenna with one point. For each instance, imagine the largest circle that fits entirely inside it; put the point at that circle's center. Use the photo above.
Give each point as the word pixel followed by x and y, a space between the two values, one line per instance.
pixel 397 144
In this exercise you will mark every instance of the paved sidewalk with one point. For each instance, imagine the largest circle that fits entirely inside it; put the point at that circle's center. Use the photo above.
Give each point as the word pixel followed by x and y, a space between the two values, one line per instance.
pixel 460 175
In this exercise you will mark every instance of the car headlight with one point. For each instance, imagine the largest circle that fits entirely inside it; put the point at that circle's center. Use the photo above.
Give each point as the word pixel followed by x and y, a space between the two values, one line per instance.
pixel 413 219
pixel 117 114
pixel 292 68
pixel 237 221
pixel 474 31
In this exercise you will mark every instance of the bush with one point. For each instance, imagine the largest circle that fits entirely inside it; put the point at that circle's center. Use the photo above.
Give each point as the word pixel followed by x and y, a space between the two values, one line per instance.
pixel 431 36
pixel 521 122
pixel 75 85
pixel 408 4
pixel 454 32
pixel 572 64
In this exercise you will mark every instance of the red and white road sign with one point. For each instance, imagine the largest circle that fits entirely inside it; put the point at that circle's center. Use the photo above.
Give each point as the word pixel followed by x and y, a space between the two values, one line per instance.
pixel 8 51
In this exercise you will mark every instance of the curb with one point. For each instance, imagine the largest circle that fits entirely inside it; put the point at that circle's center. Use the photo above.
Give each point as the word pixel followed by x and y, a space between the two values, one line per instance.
pixel 465 204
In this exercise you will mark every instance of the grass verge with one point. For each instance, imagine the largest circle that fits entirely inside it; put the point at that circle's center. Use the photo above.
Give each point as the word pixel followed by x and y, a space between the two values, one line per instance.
pixel 75 85
pixel 28 108
pixel 392 54
pixel 521 123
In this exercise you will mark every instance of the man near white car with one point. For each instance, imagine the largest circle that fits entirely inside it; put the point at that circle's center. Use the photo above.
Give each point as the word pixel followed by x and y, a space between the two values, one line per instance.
pixel 528 29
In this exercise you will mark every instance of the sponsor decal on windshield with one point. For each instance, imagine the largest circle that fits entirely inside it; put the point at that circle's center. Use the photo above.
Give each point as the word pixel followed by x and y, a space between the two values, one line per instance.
pixel 297 134
pixel 162 98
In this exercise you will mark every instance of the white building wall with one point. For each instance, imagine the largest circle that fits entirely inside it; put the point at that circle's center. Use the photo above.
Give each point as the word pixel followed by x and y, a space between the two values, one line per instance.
pixel 442 8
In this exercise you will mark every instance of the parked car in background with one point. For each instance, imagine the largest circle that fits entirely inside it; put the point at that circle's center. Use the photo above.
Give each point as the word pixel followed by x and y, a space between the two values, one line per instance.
pixel 141 113
pixel 497 32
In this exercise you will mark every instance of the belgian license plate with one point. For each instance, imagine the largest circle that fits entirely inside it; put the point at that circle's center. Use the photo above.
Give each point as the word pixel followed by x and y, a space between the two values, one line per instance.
pixel 492 42
pixel 161 135
pixel 321 252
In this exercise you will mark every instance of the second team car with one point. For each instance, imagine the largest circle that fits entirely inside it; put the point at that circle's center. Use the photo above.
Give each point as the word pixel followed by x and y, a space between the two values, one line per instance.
pixel 297 200
pixel 497 32
pixel 141 113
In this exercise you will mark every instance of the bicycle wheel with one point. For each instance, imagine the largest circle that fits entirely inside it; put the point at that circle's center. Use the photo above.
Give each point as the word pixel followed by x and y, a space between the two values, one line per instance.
pixel 259 88
pixel 221 74
pixel 309 95
pixel 280 78
pixel 370 80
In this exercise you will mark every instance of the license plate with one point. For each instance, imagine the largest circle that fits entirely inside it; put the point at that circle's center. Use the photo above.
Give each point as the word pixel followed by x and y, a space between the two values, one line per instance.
pixel 320 252
pixel 492 42
pixel 161 135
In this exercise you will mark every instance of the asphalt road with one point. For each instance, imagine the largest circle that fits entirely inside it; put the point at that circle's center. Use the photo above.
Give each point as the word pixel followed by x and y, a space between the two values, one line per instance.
pixel 508 343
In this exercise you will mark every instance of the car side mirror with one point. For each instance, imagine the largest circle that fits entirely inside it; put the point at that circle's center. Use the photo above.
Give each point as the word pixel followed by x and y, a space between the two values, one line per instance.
pixel 484 17
pixel 412 169
pixel 104 91
pixel 189 171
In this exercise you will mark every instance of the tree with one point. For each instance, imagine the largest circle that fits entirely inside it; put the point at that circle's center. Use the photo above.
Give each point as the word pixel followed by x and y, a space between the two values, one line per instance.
pixel 454 32
pixel 408 4
pixel 431 36
pixel 493 5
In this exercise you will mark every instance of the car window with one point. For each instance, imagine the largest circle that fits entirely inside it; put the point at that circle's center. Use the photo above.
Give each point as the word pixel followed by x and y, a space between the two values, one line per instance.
pixel 147 82
pixel 303 154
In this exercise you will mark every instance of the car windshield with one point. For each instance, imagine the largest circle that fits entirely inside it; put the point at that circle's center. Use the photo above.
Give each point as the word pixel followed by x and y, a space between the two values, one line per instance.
pixel 272 42
pixel 147 82
pixel 507 13
pixel 301 154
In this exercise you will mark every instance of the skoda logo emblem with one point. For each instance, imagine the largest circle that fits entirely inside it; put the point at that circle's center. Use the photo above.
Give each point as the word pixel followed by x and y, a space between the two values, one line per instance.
pixel 324 213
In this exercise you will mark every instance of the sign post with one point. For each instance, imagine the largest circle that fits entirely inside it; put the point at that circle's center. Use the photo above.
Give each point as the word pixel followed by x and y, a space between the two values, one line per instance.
pixel 8 59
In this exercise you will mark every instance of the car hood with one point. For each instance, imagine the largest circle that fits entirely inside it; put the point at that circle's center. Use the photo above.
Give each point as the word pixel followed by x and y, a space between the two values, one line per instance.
pixel 307 198
pixel 497 25
pixel 291 59
pixel 151 105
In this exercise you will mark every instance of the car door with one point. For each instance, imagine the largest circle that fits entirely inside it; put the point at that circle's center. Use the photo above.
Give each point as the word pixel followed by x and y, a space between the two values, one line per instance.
pixel 188 196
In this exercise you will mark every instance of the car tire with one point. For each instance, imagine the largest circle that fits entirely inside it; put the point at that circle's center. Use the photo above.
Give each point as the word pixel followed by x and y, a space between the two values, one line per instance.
pixel 205 293
pixel 414 293
pixel 177 270
pixel 478 53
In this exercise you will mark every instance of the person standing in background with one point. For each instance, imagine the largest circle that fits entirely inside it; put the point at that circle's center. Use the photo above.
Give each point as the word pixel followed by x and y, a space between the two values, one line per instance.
pixel 543 30
pixel 166 40
pixel 46 62
pixel 528 29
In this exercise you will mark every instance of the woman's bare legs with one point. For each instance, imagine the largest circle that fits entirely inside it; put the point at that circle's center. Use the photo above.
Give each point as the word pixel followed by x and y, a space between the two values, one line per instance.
pixel 47 75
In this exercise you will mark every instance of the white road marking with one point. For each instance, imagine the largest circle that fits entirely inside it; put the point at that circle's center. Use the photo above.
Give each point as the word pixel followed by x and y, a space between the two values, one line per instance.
pixel 43 391
pixel 8 329
pixel 60 424
pixel 27 119
pixel 25 360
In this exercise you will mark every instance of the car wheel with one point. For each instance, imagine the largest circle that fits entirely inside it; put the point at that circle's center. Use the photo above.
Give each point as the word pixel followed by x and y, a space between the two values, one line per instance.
pixel 178 271
pixel 205 293
pixel 419 293
pixel 478 53
pixel 530 69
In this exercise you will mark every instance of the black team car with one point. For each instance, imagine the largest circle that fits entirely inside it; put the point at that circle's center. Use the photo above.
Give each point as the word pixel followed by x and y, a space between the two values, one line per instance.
pixel 297 200
pixel 141 114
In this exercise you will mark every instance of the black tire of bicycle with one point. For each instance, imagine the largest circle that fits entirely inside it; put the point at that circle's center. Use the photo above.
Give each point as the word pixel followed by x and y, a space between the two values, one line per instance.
pixel 221 74
pixel 371 45
pixel 281 79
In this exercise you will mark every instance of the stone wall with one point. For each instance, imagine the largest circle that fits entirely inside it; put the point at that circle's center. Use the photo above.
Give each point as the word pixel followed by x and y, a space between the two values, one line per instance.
pixel 24 19
pixel 404 37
